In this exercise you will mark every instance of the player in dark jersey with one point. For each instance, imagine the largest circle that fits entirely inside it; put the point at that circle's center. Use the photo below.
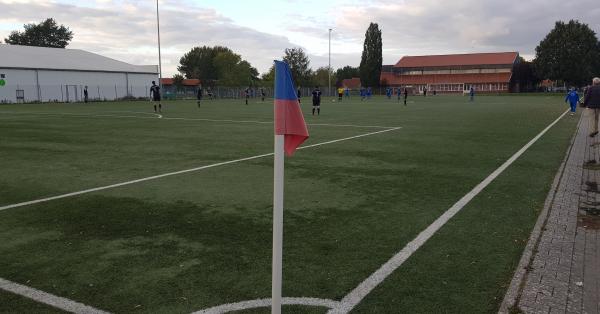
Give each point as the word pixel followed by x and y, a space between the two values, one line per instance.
pixel 299 94
pixel 316 99
pixel 155 96
pixel 262 94
pixel 247 93
pixel 405 95
pixel 199 95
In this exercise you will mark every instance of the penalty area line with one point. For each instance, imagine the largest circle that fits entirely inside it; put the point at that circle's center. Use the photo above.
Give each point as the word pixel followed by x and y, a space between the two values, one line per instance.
pixel 364 288
pixel 106 187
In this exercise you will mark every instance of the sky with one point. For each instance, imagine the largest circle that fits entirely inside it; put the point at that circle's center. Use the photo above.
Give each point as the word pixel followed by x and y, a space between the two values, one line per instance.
pixel 260 30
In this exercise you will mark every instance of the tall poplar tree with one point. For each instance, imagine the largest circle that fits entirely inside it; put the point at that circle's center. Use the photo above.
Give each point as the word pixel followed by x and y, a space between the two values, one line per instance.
pixel 372 57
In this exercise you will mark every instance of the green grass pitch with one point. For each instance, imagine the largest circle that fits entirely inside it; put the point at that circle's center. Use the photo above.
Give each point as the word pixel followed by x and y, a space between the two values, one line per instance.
pixel 187 242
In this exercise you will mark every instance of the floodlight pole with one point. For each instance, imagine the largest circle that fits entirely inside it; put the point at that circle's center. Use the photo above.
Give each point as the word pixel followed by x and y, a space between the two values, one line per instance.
pixel 159 56
pixel 329 68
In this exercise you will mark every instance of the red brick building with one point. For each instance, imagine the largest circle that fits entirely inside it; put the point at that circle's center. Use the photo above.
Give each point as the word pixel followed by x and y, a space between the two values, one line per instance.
pixel 485 72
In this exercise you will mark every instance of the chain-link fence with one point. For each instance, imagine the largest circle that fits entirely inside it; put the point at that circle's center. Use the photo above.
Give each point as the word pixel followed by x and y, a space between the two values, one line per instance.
pixel 70 93
pixel 75 93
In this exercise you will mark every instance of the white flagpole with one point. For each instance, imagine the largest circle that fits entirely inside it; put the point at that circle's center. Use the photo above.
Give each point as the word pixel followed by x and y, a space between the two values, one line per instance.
pixel 277 225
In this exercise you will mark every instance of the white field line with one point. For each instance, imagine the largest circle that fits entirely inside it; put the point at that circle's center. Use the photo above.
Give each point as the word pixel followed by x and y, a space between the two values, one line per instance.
pixel 83 115
pixel 245 305
pixel 156 115
pixel 271 122
pixel 364 288
pixel 42 200
pixel 47 298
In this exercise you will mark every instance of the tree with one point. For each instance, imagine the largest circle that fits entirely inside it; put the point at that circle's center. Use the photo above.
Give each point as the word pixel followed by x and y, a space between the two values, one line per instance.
pixel 217 64
pixel 372 57
pixel 524 78
pixel 346 72
pixel 320 77
pixel 299 65
pixel 198 62
pixel 44 34
pixel 268 78
pixel 178 81
pixel 233 71
pixel 570 52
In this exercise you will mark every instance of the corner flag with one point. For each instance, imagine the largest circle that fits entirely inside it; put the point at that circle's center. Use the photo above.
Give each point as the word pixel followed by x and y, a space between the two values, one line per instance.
pixel 289 120
pixel 290 132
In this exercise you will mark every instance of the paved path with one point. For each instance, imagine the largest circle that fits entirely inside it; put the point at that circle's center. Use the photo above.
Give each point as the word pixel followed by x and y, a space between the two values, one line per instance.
pixel 560 269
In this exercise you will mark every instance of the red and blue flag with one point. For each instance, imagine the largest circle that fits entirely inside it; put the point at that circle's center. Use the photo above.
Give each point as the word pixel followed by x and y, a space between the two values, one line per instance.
pixel 289 120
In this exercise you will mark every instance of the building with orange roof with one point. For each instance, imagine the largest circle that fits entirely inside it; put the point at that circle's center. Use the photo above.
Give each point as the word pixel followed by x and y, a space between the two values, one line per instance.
pixel 485 72
pixel 188 88
pixel 352 83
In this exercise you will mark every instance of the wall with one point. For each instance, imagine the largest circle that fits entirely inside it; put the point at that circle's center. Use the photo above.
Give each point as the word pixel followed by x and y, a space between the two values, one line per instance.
pixel 63 86
pixel 18 79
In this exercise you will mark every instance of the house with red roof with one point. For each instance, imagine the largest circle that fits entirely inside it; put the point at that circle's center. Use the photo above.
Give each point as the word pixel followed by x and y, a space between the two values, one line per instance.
pixel 188 88
pixel 457 73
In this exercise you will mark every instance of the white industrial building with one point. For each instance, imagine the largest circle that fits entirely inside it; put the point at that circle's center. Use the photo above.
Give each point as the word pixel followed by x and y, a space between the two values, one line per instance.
pixel 33 74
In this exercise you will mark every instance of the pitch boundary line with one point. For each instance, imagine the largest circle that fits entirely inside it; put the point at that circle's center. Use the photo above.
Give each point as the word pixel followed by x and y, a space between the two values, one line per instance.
pixel 106 187
pixel 350 300
pixel 47 298
pixel 364 288
pixel 355 296
pixel 160 116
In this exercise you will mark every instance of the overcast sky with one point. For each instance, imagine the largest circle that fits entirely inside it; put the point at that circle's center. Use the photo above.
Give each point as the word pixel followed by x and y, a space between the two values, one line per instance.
pixel 260 30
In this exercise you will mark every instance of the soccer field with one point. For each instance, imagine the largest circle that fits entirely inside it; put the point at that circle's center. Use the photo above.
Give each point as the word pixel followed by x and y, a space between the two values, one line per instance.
pixel 371 177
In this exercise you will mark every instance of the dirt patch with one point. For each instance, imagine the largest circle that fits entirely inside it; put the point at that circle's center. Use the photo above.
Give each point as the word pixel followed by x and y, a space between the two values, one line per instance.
pixel 591 166
pixel 589 221
pixel 591 186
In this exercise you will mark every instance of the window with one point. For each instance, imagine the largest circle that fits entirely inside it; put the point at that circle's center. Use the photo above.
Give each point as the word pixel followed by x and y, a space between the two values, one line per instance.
pixel 437 72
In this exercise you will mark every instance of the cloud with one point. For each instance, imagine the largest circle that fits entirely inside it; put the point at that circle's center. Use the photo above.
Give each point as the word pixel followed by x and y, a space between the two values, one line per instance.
pixel 436 27
pixel 126 30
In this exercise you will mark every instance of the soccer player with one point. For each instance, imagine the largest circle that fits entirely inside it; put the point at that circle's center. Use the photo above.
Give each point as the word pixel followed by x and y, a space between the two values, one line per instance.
pixel 299 94
pixel 424 91
pixel 199 95
pixel 247 92
pixel 340 93
pixel 85 95
pixel 347 92
pixel 262 94
pixel 388 93
pixel 405 95
pixel 573 99
pixel 369 93
pixel 155 96
pixel 398 93
pixel 316 99
pixel 471 94
pixel 363 93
